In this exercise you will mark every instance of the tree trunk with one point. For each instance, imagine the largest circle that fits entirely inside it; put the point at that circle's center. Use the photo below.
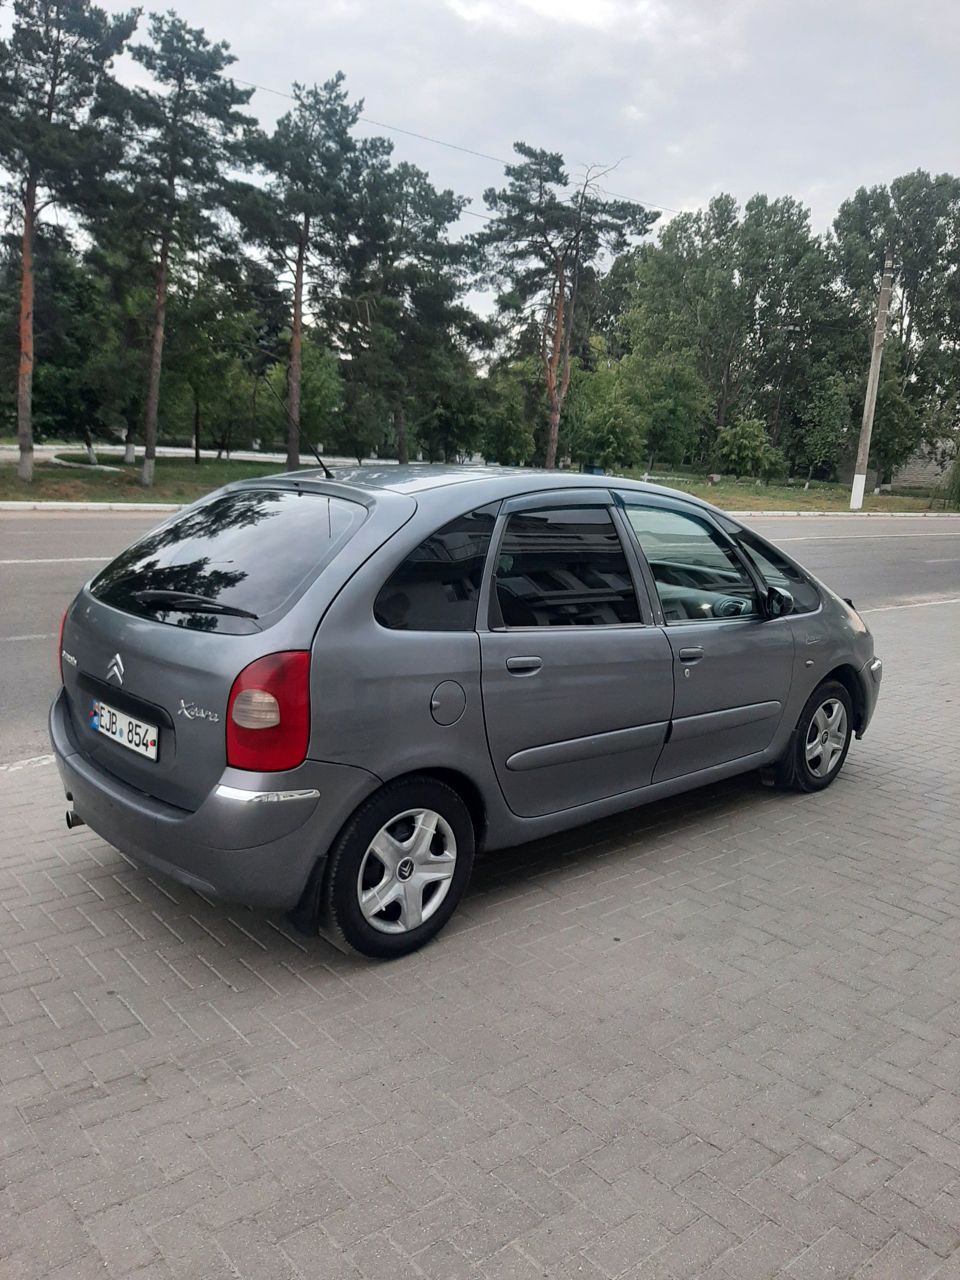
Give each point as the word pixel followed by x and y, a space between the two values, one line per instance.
pixel 722 407
pixel 296 354
pixel 156 363
pixel 775 425
pixel 253 417
pixel 25 373
pixel 196 425
pixel 88 445
pixel 909 364
pixel 400 422
pixel 553 434
pixel 551 362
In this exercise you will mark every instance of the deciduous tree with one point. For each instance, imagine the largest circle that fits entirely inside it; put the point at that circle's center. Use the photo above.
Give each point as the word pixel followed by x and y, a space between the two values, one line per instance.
pixel 919 216
pixel 600 428
pixel 670 400
pixel 827 423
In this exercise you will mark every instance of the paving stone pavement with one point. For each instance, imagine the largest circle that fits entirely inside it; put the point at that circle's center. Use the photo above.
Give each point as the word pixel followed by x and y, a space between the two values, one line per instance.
pixel 718 1038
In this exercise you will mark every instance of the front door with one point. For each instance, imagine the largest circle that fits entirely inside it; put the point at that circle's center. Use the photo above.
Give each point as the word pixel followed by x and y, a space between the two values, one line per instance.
pixel 577 689
pixel 733 666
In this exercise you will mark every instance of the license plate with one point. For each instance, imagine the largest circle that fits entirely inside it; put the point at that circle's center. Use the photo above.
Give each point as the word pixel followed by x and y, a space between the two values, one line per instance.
pixel 135 735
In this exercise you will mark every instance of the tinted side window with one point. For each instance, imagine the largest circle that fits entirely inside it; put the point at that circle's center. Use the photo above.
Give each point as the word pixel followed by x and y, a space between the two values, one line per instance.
pixel 776 570
pixel 436 587
pixel 698 576
pixel 561 568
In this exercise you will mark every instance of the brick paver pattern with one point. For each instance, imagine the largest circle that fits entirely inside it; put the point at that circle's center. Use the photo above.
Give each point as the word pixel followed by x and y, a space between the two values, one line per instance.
pixel 717 1037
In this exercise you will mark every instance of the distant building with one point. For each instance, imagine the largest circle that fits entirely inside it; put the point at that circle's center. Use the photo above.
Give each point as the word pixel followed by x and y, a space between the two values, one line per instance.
pixel 921 472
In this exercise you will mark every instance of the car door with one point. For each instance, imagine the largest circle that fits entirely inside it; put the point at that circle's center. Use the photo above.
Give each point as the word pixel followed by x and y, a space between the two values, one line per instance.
pixel 577 682
pixel 733 665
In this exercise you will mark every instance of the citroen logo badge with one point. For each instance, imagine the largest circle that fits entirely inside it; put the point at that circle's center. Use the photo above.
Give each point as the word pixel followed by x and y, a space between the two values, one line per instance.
pixel 115 669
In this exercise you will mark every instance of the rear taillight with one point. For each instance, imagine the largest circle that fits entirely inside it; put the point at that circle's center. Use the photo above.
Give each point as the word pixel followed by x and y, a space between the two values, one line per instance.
pixel 63 623
pixel 268 715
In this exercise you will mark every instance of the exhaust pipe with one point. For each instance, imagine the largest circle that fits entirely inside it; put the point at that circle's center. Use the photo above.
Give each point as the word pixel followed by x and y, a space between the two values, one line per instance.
pixel 73 819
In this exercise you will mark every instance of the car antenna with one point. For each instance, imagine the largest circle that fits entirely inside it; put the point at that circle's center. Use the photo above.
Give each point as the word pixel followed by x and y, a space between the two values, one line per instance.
pixel 328 474
pixel 310 445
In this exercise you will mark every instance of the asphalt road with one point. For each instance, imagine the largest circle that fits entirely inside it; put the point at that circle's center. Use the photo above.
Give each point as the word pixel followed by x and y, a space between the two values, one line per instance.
pixel 879 562
pixel 45 557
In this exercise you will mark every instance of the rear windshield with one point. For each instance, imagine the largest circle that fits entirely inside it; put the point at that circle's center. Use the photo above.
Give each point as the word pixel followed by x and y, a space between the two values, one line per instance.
pixel 232 564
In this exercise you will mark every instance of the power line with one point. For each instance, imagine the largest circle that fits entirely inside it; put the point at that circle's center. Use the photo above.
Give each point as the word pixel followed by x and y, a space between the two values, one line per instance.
pixel 439 142
pixel 652 205
pixel 647 204
pixel 379 124
pixel 453 146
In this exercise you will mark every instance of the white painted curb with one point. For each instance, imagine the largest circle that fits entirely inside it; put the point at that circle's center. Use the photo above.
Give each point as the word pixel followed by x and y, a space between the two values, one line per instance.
pixel 855 515
pixel 92 506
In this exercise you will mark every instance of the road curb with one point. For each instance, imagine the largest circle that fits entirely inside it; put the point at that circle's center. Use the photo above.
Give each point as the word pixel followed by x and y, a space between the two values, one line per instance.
pixel 91 506
pixel 855 515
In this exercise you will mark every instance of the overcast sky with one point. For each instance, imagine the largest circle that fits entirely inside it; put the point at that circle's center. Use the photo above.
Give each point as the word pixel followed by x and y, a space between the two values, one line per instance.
pixel 810 98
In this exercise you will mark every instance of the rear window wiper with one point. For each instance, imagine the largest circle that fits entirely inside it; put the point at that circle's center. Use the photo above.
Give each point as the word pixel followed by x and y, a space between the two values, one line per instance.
pixel 187 602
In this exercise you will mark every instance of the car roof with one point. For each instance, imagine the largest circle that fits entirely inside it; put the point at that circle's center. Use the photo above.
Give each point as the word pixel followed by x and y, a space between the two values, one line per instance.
pixel 478 484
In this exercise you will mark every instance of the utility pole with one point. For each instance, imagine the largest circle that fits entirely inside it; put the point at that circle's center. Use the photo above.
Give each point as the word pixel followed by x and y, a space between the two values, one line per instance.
pixel 873 381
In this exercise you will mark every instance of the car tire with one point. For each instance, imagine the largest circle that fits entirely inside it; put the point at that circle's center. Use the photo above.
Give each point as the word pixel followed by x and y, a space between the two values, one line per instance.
pixel 819 744
pixel 399 868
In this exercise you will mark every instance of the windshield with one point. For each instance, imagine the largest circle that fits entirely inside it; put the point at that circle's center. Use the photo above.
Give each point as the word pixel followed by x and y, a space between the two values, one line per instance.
pixel 248 553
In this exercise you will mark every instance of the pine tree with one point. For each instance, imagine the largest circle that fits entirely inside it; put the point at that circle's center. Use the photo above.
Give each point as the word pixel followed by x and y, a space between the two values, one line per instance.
pixel 54 73
pixel 190 131
pixel 304 216
pixel 541 243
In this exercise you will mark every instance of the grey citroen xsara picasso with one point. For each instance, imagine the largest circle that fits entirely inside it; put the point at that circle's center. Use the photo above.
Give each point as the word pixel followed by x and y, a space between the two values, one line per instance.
pixel 323 695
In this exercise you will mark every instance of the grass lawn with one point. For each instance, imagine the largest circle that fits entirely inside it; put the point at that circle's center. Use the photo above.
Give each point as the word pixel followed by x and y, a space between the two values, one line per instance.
pixel 732 495
pixel 183 480
pixel 175 480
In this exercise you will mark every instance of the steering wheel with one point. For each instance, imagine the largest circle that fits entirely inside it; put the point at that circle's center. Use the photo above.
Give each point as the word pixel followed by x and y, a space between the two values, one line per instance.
pixel 730 607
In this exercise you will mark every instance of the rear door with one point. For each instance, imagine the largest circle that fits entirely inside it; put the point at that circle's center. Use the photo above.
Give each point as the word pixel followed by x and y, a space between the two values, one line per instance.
pixel 733 666
pixel 157 639
pixel 577 681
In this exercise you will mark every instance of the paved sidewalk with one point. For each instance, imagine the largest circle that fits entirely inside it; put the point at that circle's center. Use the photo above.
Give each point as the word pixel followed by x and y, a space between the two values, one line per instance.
pixel 715 1038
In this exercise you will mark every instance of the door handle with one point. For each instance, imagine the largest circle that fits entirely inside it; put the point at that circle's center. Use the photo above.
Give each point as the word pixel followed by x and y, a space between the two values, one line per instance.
pixel 693 654
pixel 524 666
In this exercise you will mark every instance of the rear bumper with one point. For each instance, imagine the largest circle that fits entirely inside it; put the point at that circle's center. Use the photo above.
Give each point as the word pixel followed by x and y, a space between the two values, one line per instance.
pixel 869 677
pixel 255 839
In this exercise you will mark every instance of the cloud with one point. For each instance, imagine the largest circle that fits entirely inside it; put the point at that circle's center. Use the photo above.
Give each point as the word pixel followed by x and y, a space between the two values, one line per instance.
pixel 803 97
pixel 529 15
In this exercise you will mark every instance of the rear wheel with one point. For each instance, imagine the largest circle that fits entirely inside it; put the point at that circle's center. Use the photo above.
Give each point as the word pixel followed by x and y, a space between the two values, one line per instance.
pixel 820 741
pixel 399 867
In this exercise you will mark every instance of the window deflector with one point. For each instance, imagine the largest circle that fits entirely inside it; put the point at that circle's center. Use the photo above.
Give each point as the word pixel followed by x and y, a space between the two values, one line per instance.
pixel 549 499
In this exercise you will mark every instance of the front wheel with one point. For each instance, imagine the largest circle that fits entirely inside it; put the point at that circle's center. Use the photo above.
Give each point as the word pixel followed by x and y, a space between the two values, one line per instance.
pixel 399 867
pixel 821 740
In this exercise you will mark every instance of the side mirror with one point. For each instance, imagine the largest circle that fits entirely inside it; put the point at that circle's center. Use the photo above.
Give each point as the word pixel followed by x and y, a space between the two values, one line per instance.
pixel 778 602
